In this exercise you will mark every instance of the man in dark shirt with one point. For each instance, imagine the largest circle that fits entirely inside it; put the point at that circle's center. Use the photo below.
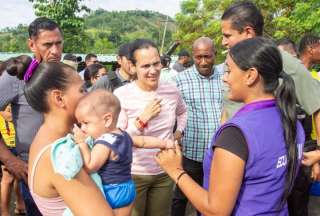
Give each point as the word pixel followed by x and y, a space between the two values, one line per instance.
pixel 120 76
pixel 46 43
pixel 183 59
pixel 88 60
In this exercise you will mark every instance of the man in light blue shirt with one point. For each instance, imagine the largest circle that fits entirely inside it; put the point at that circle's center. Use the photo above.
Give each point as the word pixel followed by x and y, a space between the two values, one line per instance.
pixel 201 88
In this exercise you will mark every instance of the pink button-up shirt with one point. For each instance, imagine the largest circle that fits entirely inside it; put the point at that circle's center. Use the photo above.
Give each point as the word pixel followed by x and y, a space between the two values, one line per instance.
pixel 133 101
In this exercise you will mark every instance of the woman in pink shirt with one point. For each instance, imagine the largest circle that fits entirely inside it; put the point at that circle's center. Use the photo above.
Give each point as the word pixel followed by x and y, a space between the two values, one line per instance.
pixel 150 108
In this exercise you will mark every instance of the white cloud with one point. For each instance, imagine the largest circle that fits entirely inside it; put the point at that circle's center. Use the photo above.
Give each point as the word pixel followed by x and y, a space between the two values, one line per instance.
pixel 14 12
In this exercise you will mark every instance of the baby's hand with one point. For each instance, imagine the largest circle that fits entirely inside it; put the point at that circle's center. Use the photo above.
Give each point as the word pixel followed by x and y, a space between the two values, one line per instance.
pixel 169 144
pixel 78 134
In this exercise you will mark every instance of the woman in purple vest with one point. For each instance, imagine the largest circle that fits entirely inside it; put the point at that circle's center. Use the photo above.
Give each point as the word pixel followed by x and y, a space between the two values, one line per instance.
pixel 251 164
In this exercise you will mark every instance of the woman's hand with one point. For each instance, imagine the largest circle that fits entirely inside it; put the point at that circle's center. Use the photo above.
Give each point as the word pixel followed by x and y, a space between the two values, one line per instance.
pixel 151 110
pixel 310 158
pixel 170 160
pixel 78 134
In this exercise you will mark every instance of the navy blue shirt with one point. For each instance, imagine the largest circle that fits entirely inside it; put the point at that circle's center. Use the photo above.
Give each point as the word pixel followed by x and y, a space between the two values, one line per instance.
pixel 119 170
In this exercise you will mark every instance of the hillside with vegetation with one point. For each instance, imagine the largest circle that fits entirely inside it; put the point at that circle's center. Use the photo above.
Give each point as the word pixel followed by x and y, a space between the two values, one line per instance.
pixel 104 31
pixel 107 30
pixel 14 39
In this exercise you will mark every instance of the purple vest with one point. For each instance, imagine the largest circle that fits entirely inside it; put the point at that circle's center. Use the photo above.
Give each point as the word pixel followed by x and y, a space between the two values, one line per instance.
pixel 265 171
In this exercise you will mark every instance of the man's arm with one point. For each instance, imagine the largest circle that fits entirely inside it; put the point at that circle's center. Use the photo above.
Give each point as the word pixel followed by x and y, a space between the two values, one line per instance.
pixel 14 165
pixel 9 91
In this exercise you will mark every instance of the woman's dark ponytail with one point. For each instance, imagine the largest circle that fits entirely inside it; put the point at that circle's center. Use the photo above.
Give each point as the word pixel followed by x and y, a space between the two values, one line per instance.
pixel 17 66
pixel 40 78
pixel 286 101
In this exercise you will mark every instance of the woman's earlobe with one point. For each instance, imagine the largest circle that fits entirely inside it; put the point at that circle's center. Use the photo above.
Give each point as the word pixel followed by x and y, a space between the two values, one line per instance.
pixel 58 98
pixel 61 101
pixel 252 77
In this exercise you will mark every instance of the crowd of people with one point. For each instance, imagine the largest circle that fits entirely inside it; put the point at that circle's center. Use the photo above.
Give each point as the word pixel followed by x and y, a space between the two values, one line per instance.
pixel 146 138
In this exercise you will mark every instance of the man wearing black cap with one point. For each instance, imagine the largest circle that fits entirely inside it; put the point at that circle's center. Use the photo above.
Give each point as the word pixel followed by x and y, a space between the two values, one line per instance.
pixel 120 76
pixel 183 59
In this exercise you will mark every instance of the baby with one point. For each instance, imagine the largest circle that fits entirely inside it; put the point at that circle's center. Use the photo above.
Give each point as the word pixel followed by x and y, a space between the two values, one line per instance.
pixel 111 154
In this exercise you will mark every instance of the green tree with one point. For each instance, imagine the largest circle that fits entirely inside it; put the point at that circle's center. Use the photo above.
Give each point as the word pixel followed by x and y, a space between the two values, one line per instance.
pixel 115 38
pixel 296 19
pixel 67 14
pixel 101 28
pixel 14 39
pixel 102 45
pixel 125 26
pixel 199 18
pixel 283 18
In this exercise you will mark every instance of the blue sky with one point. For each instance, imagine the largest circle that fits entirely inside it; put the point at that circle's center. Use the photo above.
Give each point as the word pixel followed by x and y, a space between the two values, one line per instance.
pixel 14 12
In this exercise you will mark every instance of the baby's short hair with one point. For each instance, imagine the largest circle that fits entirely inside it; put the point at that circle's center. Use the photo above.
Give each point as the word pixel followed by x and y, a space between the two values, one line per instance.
pixel 101 102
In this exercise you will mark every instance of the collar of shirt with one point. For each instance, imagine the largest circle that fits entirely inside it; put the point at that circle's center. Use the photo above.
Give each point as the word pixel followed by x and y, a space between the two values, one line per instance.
pixel 123 81
pixel 212 76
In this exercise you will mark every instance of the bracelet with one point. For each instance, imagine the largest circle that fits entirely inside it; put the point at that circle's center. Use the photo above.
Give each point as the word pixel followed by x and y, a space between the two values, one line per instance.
pixel 180 175
pixel 141 123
